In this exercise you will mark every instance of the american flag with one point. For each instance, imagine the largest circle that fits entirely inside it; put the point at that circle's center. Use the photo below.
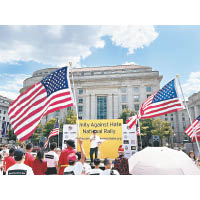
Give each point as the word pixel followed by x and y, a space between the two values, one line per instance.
pixel 51 94
pixel 54 132
pixel 131 121
pixel 196 126
pixel 165 101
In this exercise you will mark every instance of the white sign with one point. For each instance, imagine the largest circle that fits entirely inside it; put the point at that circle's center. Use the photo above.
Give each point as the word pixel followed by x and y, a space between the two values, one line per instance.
pixel 129 140
pixel 69 132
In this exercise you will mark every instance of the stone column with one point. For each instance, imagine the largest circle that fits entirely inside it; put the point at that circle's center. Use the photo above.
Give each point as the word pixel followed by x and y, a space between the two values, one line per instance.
pixel 109 106
pixel 116 106
pixel 87 107
pixel 93 107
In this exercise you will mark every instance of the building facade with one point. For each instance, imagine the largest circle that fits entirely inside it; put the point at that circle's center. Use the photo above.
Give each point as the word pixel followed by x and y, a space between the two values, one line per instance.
pixel 4 104
pixel 194 105
pixel 179 122
pixel 103 92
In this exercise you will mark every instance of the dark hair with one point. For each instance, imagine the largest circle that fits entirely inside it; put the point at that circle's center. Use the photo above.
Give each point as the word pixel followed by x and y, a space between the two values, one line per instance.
pixel 97 161
pixel 70 143
pixel 11 151
pixel 106 161
pixel 78 155
pixel 71 162
pixel 53 146
pixel 190 154
pixel 29 146
pixel 40 155
pixel 5 145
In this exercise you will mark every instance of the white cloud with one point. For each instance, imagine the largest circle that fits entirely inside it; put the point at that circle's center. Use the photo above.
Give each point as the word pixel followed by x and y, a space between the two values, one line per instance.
pixel 131 37
pixel 11 84
pixel 56 45
pixel 192 85
pixel 129 63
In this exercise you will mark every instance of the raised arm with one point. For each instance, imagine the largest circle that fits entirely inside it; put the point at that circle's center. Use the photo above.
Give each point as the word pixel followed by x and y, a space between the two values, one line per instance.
pixel 82 160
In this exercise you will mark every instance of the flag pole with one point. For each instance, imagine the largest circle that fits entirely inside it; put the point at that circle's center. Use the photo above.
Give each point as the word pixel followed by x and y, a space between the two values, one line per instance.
pixel 140 134
pixel 78 127
pixel 193 128
pixel 58 131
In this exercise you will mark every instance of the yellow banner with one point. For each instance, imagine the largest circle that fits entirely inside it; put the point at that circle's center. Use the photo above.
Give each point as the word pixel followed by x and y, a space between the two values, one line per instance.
pixel 110 133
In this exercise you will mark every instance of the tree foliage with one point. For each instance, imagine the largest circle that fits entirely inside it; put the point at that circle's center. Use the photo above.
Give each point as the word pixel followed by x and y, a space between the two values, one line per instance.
pixel 49 126
pixel 161 128
pixel 125 114
pixel 71 117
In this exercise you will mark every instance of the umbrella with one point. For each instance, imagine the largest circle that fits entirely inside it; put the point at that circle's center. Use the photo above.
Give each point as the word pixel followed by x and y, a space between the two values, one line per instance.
pixel 161 161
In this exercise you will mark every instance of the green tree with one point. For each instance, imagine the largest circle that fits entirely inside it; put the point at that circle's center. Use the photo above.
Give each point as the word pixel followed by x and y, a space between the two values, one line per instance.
pixel 37 134
pixel 146 126
pixel 161 128
pixel 49 126
pixel 11 135
pixel 125 114
pixel 71 117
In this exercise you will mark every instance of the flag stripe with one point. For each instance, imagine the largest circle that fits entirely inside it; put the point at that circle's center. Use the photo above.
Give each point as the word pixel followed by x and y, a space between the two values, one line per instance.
pixel 37 110
pixel 196 126
pixel 37 113
pixel 27 93
pixel 21 108
pixel 50 94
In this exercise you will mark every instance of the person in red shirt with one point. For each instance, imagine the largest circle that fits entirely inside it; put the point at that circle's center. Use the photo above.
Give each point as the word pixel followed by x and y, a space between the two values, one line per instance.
pixel 63 160
pixel 39 164
pixel 9 160
pixel 29 158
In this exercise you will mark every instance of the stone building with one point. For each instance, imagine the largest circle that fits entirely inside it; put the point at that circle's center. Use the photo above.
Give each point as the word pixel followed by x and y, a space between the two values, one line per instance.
pixel 194 105
pixel 179 122
pixel 4 104
pixel 103 92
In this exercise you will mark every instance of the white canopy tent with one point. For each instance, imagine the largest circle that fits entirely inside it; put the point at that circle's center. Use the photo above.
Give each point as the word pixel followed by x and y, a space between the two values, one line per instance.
pixel 162 161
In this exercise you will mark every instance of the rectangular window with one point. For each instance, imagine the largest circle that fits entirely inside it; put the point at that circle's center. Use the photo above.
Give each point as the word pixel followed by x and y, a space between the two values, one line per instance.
pixel 136 106
pixel 69 108
pixel 123 98
pixel 3 118
pixel 123 90
pixel 136 98
pixel 183 119
pixel 80 100
pixel 172 119
pixel 124 107
pixel 80 110
pixel 165 114
pixel 172 115
pixel 148 89
pixel 80 91
pixel 165 119
pixel 136 89
pixel 0 111
pixel 4 112
pixel 101 107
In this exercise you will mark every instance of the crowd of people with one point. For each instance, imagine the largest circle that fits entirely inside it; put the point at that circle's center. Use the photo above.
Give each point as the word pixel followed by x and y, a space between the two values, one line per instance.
pixel 20 161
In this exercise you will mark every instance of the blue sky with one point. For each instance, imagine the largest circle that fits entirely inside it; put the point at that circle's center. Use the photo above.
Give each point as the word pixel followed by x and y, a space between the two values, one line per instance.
pixel 169 49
